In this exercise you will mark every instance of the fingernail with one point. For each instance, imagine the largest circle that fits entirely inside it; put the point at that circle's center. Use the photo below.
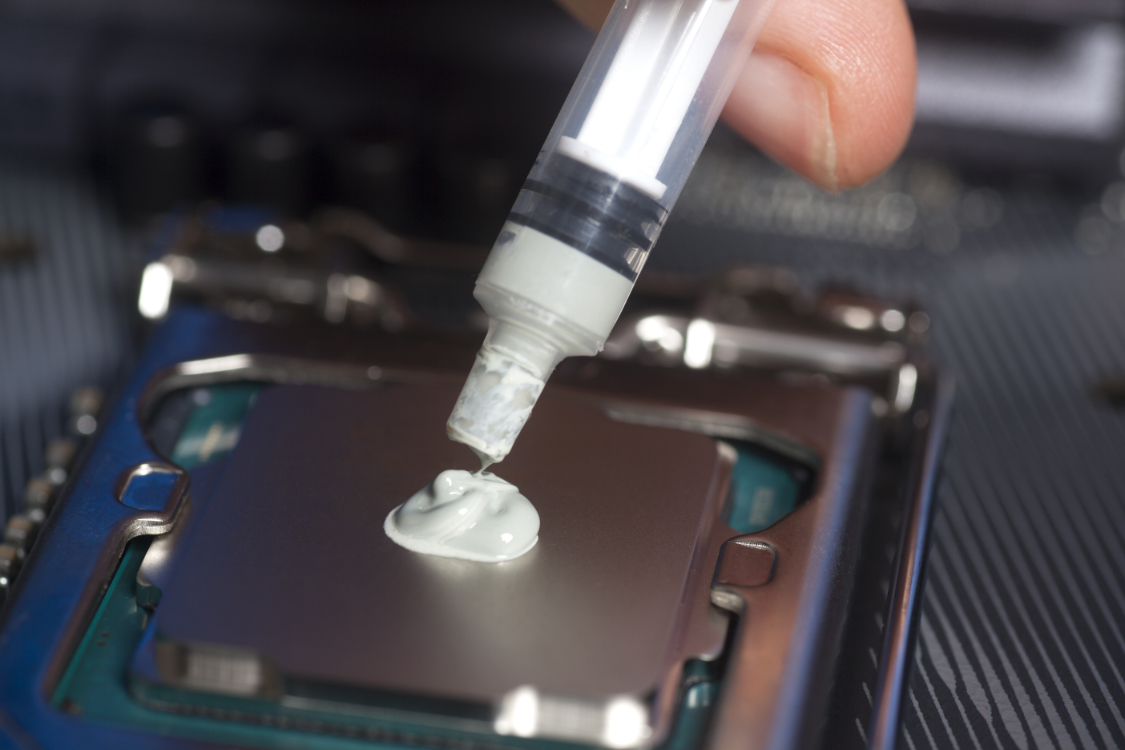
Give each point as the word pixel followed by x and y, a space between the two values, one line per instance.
pixel 784 110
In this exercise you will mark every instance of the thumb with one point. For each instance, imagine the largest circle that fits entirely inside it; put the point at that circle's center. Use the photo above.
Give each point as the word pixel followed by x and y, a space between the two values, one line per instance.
pixel 828 90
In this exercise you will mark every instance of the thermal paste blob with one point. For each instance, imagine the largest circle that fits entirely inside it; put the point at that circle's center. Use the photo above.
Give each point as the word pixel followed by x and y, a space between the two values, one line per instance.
pixel 472 516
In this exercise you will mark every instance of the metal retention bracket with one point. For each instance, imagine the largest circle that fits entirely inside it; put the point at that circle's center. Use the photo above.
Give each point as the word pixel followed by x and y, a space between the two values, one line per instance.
pixel 744 562
pixel 152 486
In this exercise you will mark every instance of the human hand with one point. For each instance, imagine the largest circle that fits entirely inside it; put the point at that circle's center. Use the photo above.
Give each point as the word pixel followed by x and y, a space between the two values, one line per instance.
pixel 828 90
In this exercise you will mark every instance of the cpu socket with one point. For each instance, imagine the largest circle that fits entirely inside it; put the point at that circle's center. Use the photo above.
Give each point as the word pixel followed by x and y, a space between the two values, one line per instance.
pixel 219 571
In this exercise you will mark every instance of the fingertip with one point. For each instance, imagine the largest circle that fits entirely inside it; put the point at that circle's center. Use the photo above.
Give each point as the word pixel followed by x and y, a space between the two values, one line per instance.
pixel 786 113
pixel 873 100
pixel 829 90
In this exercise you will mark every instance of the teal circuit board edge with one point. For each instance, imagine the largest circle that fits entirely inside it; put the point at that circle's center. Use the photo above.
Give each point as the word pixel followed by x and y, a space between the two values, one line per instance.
pixel 764 488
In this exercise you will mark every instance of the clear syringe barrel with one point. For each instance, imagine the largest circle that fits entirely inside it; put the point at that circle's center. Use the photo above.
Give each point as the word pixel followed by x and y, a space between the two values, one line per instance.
pixel 594 203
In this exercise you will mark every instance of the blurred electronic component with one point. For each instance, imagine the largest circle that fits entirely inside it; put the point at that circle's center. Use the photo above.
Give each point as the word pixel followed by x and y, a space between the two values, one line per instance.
pixel 480 177
pixel 758 318
pixel 915 204
pixel 1066 11
pixel 85 405
pixel 19 532
pixel 268 165
pixel 59 455
pixel 14 249
pixel 158 159
pixel 22 529
pixel 1022 95
pixel 1112 390
pixel 378 174
pixel 273 272
pixel 37 498
pixel 9 568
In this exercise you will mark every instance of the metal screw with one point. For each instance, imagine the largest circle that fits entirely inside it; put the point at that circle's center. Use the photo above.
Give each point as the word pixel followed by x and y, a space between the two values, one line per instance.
pixel 9 567
pixel 20 532
pixel 37 495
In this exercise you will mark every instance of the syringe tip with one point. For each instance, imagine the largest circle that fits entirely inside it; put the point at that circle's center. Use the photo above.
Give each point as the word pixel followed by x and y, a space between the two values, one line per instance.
pixel 495 403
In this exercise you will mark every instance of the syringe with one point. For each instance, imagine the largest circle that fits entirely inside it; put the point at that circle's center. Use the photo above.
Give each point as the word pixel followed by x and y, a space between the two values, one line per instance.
pixel 594 203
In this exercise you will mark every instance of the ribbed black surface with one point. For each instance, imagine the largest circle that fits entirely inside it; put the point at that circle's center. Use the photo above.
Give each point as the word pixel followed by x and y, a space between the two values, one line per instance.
pixel 1023 638
pixel 63 320
pixel 1022 643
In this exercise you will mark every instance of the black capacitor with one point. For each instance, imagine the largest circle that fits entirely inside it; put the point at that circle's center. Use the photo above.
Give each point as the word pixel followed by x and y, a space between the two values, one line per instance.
pixel 480 177
pixel 159 159
pixel 377 173
pixel 268 164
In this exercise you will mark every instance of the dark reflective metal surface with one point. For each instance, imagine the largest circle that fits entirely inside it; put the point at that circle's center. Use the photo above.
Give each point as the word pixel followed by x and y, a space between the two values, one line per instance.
pixel 291 560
